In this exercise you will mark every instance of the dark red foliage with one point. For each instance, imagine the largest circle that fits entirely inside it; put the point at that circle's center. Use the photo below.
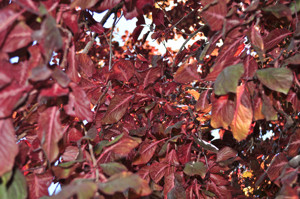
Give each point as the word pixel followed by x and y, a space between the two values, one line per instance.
pixel 105 118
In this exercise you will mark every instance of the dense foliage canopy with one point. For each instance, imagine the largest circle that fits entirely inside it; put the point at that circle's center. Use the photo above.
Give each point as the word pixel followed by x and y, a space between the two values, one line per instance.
pixel 119 119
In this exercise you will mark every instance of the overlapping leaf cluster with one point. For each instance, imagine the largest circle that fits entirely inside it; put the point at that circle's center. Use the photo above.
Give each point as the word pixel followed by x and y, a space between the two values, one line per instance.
pixel 111 119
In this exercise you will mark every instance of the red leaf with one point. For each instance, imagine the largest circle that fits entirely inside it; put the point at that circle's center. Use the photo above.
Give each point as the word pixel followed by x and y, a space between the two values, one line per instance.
pixel 116 109
pixel 85 64
pixel 9 148
pixel 50 132
pixel 38 184
pixel 146 151
pixel 19 37
pixel 28 5
pixel 83 4
pixel 186 73
pixel 159 17
pixel 276 166
pixel 243 115
pixel 256 39
pixel 202 104
pixel 294 144
pixel 172 158
pixel 184 153
pixel 54 91
pixel 168 183
pixel 215 14
pixel 275 37
pixel 72 66
pixel 225 154
pixel 157 171
pixel 107 4
pixel 294 98
pixel 122 70
pixel 151 75
pixel 223 110
pixel 144 173
pixel 226 54
pixel 250 66
pixel 124 146
pixel 9 97
pixel 79 105
pixel 7 17
pixel 71 20
pixel 218 179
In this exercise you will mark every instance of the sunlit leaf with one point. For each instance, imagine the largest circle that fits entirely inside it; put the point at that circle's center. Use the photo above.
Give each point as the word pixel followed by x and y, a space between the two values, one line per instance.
pixel 112 168
pixel 243 115
pixel 277 79
pixel 123 181
pixel 38 184
pixel 223 109
pixel 195 168
pixel 227 80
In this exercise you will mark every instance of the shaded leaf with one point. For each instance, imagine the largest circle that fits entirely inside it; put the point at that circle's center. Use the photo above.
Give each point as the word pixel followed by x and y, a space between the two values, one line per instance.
pixel 195 168
pixel 294 144
pixel 79 105
pixel 202 104
pixel 112 168
pixel 275 37
pixel 293 60
pixel 277 79
pixel 186 73
pixel 276 166
pixel 227 80
pixel 151 76
pixel 157 171
pixel 243 115
pixel 123 181
pixel 50 132
pixel 215 14
pixel 85 63
pixel 116 109
pixel 38 184
pixel 9 148
pixel 250 66
pixel 146 151
pixel 225 154
pixel 19 37
pixel 268 110
pixel 279 11
pixel 122 70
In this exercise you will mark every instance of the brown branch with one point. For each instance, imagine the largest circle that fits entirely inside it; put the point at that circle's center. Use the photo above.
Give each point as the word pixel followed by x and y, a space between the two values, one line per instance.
pixel 102 22
pixel 65 55
pixel 100 99
pixel 186 41
pixel 94 161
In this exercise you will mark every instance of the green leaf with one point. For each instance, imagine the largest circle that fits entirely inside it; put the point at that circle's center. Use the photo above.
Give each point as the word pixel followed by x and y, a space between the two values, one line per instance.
pixel 277 79
pixel 227 80
pixel 195 168
pixel 112 168
pixel 123 181
pixel 82 188
pixel 18 187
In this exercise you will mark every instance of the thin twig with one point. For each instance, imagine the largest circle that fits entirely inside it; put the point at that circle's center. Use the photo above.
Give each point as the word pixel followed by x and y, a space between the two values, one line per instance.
pixel 100 99
pixel 110 40
pixel 94 161
pixel 102 22
pixel 186 41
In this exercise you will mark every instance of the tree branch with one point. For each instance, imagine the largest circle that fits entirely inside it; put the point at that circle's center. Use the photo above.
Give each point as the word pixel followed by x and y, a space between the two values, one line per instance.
pixel 186 41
